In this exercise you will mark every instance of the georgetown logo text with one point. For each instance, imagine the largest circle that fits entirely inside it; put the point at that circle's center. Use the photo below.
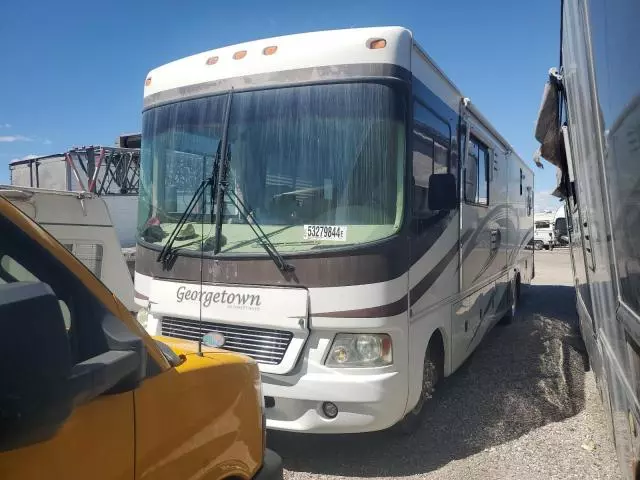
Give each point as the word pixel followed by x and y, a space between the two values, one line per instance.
pixel 233 300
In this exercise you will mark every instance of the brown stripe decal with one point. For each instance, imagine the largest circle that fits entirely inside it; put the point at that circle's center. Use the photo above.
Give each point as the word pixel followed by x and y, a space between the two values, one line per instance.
pixel 486 310
pixel 389 310
pixel 400 306
pixel 430 278
pixel 137 294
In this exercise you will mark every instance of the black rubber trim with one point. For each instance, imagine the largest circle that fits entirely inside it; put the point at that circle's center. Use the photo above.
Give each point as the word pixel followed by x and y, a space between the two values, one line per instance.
pixel 271 467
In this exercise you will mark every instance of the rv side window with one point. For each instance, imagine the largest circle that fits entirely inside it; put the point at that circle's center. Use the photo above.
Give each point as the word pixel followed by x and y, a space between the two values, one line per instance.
pixel 431 137
pixel 477 173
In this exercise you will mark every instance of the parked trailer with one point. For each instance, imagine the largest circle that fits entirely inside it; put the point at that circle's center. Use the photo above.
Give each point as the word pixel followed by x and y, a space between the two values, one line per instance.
pixel 393 215
pixel 81 222
pixel 588 127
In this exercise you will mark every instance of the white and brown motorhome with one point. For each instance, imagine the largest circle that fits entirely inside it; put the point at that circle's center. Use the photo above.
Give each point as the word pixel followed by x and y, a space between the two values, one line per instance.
pixel 331 205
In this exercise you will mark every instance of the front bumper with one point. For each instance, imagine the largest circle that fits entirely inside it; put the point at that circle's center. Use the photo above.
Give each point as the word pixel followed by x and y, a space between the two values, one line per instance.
pixel 271 467
pixel 366 402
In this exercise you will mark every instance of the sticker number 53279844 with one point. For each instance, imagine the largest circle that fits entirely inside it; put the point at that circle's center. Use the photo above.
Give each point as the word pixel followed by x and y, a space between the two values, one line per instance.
pixel 325 232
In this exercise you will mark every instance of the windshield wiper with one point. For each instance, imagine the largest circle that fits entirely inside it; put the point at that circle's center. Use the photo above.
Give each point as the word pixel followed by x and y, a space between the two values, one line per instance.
pixel 262 237
pixel 167 250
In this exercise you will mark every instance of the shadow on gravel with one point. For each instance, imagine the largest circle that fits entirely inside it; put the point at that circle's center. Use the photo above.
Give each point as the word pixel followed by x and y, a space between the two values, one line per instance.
pixel 521 377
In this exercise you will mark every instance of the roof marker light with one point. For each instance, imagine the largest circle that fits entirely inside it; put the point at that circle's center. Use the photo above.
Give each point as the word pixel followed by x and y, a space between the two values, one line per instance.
pixel 240 54
pixel 147 82
pixel 376 43
pixel 270 50
pixel 212 60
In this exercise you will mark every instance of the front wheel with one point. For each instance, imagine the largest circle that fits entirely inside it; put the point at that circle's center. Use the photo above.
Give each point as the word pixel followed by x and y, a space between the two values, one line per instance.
pixel 538 245
pixel 430 377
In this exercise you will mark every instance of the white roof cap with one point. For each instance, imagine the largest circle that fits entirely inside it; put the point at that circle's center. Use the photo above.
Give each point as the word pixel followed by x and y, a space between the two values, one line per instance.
pixel 304 50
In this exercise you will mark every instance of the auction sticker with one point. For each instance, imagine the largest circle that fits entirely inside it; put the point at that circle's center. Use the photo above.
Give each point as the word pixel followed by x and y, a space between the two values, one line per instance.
pixel 325 232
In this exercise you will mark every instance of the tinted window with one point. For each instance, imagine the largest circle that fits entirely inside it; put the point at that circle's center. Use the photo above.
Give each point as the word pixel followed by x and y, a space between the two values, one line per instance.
pixel 615 37
pixel 431 140
pixel 476 176
pixel 13 271
pixel 331 155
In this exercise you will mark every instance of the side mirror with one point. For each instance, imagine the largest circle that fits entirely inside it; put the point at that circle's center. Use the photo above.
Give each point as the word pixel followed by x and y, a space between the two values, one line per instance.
pixel 39 383
pixel 442 192
pixel 35 364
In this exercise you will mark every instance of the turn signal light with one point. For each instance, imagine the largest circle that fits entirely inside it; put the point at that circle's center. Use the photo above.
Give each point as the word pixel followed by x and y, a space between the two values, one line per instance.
pixel 377 43
pixel 212 60
pixel 270 50
pixel 240 54
pixel 147 82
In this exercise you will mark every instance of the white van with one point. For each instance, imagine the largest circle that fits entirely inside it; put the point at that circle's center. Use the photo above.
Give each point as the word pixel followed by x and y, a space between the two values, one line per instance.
pixel 543 235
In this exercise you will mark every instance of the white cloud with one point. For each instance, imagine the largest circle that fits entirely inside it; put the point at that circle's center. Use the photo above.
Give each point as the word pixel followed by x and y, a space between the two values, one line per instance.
pixel 5 125
pixel 14 138
pixel 545 201
pixel 47 141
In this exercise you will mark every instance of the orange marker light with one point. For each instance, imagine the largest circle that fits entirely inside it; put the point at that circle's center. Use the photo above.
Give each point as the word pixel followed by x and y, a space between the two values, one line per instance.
pixel 377 43
pixel 240 54
pixel 147 82
pixel 270 50
pixel 212 60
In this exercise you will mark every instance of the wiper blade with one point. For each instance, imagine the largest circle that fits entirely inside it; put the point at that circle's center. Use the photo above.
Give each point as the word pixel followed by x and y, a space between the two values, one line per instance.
pixel 262 237
pixel 167 249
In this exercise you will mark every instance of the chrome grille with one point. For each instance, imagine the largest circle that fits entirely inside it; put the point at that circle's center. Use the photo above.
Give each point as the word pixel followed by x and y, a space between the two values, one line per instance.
pixel 264 345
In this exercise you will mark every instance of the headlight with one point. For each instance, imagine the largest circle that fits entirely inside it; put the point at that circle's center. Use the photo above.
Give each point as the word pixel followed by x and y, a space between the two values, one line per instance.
pixel 360 350
pixel 142 317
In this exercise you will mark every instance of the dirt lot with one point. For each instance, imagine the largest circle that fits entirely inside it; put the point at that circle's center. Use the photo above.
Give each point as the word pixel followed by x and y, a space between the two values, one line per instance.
pixel 521 407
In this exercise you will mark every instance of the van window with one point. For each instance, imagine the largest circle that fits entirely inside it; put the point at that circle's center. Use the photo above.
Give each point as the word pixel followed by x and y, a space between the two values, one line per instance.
pixel 476 176
pixel 12 271
pixel 543 224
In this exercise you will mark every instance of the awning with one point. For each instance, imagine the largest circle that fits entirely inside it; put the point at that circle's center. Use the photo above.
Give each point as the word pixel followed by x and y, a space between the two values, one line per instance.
pixel 549 133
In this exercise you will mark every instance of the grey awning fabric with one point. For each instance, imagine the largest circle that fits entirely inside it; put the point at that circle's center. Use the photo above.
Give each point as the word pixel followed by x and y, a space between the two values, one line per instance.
pixel 547 130
pixel 549 133
pixel 561 189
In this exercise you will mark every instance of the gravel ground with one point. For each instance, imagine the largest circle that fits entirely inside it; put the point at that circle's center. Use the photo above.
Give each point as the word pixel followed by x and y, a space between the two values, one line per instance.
pixel 521 407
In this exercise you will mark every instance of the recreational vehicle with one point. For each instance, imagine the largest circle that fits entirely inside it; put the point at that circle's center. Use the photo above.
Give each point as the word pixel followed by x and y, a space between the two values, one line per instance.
pixel 588 128
pixel 331 205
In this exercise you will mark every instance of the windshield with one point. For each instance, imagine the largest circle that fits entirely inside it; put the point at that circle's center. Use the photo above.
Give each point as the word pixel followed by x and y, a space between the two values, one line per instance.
pixel 561 225
pixel 318 167
pixel 543 224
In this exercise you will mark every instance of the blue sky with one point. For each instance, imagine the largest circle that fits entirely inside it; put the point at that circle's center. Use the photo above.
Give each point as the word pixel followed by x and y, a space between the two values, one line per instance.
pixel 73 71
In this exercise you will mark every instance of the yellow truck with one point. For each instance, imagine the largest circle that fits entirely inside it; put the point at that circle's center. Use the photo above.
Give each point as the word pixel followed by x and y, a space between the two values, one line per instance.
pixel 85 392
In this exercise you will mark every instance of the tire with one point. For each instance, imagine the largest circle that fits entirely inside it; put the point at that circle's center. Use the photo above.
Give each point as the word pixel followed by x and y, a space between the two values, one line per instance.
pixel 515 297
pixel 538 245
pixel 431 375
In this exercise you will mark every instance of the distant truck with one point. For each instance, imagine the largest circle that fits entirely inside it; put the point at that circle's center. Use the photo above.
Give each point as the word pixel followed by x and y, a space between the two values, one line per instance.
pixel 543 234
pixel 560 230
